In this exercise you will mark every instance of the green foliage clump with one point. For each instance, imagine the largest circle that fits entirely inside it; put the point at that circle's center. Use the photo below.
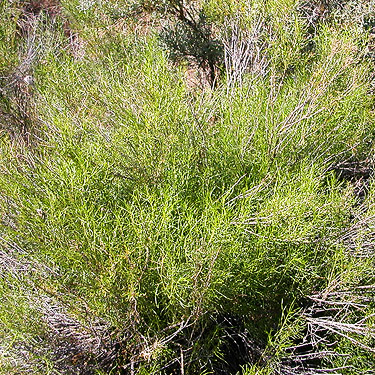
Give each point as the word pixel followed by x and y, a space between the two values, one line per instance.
pixel 151 228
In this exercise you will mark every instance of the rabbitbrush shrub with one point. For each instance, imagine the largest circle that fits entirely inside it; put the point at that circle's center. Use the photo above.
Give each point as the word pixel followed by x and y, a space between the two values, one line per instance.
pixel 149 227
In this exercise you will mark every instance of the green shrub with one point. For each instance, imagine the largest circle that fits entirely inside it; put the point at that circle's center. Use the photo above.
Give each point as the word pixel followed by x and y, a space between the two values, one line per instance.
pixel 172 227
